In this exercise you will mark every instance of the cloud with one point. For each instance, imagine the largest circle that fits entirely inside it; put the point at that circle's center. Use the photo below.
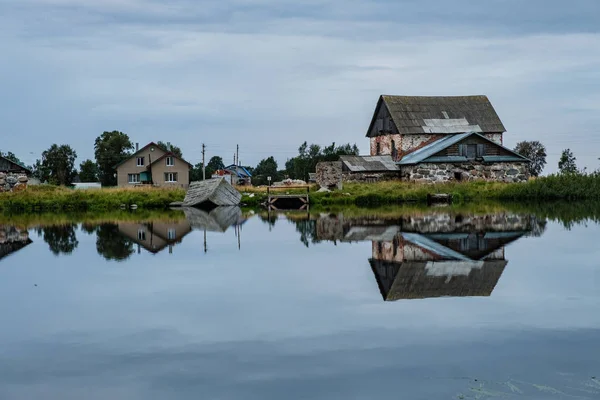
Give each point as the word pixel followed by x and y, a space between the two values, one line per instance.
pixel 270 75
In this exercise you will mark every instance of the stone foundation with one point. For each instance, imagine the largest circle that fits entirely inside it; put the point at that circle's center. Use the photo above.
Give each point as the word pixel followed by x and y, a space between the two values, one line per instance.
pixel 471 171
pixel 367 177
pixel 10 182
pixel 329 174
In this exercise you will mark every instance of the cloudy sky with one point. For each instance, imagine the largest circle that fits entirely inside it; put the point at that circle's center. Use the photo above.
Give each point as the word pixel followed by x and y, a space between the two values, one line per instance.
pixel 270 74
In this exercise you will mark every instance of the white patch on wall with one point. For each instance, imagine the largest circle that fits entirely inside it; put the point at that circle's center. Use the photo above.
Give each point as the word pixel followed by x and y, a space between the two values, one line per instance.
pixel 449 125
pixel 452 268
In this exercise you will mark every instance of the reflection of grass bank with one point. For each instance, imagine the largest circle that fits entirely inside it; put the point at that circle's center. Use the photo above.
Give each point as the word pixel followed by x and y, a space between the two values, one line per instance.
pixel 550 188
pixel 52 198
pixel 28 220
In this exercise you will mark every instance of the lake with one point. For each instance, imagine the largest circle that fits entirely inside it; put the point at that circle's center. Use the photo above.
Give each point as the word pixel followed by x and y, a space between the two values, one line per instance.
pixel 422 304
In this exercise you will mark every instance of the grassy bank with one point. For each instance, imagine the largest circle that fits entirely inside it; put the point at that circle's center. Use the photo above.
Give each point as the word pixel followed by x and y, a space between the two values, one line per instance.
pixel 550 188
pixel 52 198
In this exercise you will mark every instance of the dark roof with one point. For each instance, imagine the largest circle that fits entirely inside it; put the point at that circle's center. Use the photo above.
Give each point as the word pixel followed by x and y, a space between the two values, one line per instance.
pixel 440 114
pixel 426 153
pixel 138 152
pixel 14 166
pixel 369 163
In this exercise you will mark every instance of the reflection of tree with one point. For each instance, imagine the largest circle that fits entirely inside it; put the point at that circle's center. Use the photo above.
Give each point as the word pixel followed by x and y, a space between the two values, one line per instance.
pixel 60 238
pixel 308 231
pixel 111 245
pixel 89 228
pixel 538 226
pixel 268 218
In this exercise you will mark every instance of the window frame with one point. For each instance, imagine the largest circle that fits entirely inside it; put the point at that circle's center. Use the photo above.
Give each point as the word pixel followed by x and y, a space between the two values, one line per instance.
pixel 171 234
pixel 139 178
pixel 137 162
pixel 170 158
pixel 171 175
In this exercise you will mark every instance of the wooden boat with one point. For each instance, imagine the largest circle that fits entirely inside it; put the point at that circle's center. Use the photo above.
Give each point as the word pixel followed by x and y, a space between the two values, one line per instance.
pixel 211 193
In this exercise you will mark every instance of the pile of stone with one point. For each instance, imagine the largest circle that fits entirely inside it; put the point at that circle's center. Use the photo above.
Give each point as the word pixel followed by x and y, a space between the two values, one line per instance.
pixel 10 182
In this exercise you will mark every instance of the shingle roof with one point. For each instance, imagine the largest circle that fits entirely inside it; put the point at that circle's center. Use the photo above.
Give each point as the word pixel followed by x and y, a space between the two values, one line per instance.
pixel 369 163
pixel 428 151
pixel 440 114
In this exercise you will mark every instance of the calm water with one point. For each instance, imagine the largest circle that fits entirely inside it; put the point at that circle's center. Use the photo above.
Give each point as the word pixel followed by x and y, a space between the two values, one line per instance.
pixel 426 305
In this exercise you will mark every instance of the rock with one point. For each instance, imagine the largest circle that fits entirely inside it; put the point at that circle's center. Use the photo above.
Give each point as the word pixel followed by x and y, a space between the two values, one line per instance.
pixel 23 179
pixel 323 190
pixel 2 175
pixel 2 181
pixel 512 171
pixel 11 180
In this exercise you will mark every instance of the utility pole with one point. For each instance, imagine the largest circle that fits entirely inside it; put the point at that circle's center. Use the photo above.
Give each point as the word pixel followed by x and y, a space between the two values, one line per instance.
pixel 203 165
pixel 237 154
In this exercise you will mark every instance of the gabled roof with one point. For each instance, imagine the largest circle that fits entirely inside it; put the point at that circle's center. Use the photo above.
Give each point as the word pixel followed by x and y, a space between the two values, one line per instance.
pixel 369 163
pixel 440 114
pixel 17 166
pixel 423 154
pixel 137 153
pixel 170 154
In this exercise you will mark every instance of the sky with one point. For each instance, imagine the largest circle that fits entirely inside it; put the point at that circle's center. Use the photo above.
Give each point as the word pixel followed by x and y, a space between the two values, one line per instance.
pixel 271 74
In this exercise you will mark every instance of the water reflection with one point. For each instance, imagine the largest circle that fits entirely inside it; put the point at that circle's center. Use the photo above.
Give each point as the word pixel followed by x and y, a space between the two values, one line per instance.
pixel 110 243
pixel 12 239
pixel 61 239
pixel 432 255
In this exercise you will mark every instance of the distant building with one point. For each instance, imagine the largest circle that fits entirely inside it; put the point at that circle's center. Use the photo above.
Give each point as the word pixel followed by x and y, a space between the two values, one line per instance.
pixel 10 167
pixel 154 165
pixel 241 176
pixel 432 139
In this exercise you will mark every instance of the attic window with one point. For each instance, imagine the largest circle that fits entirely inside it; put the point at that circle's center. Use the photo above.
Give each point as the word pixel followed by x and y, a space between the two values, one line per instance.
pixel 140 161
pixel 170 161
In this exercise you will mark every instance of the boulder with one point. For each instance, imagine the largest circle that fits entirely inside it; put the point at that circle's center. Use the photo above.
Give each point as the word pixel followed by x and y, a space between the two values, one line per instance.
pixel 23 179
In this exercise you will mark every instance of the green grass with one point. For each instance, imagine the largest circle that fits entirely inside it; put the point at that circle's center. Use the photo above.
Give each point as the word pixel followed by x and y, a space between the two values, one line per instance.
pixel 550 188
pixel 53 198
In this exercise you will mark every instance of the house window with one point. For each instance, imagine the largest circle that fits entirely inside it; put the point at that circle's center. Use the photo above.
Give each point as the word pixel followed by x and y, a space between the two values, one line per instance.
pixel 170 161
pixel 133 178
pixel 141 235
pixel 377 148
pixel 394 151
pixel 140 161
pixel 170 176
pixel 171 234
pixel 471 151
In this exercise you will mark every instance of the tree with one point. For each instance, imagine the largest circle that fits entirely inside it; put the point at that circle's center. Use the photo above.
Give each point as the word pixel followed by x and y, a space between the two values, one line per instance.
pixel 88 171
pixel 566 164
pixel 174 149
pixel 196 173
pixel 58 165
pixel 215 163
pixel 308 157
pixel 265 168
pixel 536 152
pixel 11 156
pixel 111 148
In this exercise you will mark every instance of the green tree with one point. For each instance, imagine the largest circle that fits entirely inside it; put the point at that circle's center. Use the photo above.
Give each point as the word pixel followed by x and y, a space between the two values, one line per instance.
pixel 308 157
pixel 174 149
pixel 9 155
pixel 88 171
pixel 215 163
pixel 111 148
pixel 196 173
pixel 566 164
pixel 58 165
pixel 265 168
pixel 534 151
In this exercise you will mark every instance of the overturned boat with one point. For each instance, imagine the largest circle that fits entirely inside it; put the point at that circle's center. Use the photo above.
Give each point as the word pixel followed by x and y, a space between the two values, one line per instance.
pixel 211 193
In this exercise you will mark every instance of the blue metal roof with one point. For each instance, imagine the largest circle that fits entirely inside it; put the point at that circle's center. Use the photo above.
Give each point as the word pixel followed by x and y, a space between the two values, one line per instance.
pixel 426 153
pixel 236 169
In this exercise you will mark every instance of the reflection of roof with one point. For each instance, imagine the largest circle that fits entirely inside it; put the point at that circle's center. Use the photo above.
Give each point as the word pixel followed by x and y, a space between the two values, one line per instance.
pixel 440 114
pixel 369 163
pixel 422 279
pixel 12 240
pixel 154 240
pixel 426 153
pixel 217 220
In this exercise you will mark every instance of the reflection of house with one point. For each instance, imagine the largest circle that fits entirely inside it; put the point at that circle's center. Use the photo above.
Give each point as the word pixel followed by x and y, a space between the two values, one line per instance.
pixel 155 236
pixel 432 255
pixel 218 219
pixel 447 264
pixel 155 165
pixel 12 239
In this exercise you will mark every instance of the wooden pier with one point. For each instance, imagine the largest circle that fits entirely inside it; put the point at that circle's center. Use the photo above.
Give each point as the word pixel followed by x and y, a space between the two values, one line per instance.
pixel 287 201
